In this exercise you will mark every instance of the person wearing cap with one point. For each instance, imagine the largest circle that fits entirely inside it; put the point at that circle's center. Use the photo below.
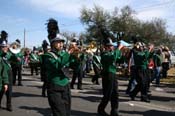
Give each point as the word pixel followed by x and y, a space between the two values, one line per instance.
pixel 58 88
pixel 5 86
pixel 43 68
pixel 15 59
pixel 141 57
pixel 78 65
pixel 34 61
pixel 97 68
pixel 109 58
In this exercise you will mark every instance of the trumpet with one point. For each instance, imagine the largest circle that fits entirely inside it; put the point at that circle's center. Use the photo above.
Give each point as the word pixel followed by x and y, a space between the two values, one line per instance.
pixel 75 51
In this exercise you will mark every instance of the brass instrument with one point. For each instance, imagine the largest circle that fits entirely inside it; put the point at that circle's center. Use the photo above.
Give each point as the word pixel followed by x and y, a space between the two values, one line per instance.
pixel 75 51
pixel 92 48
pixel 15 47
pixel 125 51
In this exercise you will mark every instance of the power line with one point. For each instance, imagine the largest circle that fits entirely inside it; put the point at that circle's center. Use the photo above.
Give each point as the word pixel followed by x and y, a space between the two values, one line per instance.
pixel 158 5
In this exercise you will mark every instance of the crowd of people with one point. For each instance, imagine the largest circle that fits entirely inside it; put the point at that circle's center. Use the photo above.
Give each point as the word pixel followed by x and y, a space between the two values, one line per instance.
pixel 145 64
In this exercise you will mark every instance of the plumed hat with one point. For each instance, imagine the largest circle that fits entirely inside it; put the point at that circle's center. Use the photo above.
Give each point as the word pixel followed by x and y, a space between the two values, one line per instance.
pixel 139 44
pixel 18 41
pixel 74 40
pixel 3 42
pixel 44 44
pixel 52 29
pixel 4 35
pixel 58 37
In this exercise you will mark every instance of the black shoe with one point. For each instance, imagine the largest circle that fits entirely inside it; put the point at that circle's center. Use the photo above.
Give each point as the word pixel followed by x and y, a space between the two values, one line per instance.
pixel 132 97
pixel 114 113
pixel 19 84
pixel 145 100
pixel 43 95
pixel 102 113
pixel 97 83
pixel 9 108
pixel 80 88
pixel 93 81
pixel 72 87
pixel 127 92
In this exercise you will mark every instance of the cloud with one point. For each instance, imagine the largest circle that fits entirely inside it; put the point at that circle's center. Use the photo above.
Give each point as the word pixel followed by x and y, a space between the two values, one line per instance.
pixel 150 14
pixel 71 8
pixel 146 9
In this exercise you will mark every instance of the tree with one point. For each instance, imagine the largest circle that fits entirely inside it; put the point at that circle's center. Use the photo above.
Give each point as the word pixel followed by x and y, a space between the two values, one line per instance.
pixel 97 21
pixel 124 22
pixel 100 23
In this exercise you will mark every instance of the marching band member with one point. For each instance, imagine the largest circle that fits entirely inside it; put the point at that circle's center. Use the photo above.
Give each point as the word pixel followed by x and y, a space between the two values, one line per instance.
pixel 78 65
pixel 16 61
pixel 109 58
pixel 5 79
pixel 58 89
pixel 141 57
pixel 58 84
pixel 97 68
pixel 43 68
pixel 34 61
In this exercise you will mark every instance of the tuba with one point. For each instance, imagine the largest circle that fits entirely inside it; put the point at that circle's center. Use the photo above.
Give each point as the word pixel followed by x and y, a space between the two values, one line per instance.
pixel 15 47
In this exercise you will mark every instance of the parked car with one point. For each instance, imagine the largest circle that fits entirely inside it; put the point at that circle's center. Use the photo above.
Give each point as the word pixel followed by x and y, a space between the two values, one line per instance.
pixel 172 58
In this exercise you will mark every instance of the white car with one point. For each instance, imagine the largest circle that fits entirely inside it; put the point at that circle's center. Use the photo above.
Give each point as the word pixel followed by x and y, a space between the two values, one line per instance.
pixel 172 58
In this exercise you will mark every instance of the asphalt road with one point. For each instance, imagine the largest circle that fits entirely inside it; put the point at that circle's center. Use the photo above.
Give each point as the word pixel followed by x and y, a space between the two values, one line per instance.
pixel 27 100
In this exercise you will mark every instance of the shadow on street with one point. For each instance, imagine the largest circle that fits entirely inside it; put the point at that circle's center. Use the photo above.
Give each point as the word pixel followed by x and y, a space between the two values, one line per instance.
pixel 149 113
pixel 80 113
pixel 43 111
pixel 18 94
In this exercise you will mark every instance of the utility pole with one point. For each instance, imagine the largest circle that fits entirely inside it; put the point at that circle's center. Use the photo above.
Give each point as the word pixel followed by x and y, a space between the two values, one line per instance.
pixel 24 38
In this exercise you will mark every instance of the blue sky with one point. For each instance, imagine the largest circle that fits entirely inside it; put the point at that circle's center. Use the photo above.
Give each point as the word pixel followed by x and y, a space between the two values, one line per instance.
pixel 31 15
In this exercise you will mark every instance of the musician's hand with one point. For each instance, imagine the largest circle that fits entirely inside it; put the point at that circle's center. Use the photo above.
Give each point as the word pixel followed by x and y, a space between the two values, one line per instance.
pixel 129 71
pixel 19 59
pixel 71 51
pixel 5 88
pixel 120 46
pixel 151 47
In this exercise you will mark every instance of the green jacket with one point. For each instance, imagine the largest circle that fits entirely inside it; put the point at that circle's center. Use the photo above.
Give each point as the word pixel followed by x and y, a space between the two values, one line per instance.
pixel 43 67
pixel 109 60
pixel 54 64
pixel 34 58
pixel 157 60
pixel 13 58
pixel 141 58
pixel 3 71
pixel 96 61
pixel 77 63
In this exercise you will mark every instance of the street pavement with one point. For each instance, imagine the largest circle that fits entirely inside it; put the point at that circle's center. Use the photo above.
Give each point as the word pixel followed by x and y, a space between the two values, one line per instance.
pixel 27 100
